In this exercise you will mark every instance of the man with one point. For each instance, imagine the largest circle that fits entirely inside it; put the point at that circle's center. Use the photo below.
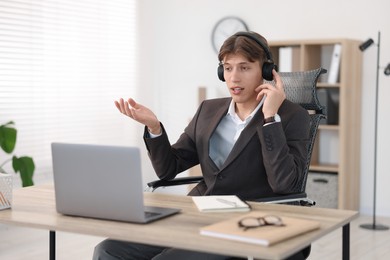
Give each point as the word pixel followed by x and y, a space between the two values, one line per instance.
pixel 252 144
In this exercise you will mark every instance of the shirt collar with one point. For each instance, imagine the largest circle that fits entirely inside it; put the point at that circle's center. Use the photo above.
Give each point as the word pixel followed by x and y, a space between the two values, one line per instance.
pixel 232 110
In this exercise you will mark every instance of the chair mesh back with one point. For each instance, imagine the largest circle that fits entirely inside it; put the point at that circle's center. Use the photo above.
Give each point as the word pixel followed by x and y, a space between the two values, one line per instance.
pixel 315 121
pixel 301 88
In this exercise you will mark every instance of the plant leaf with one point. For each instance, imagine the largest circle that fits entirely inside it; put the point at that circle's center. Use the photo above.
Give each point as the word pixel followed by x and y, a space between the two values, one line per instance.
pixel 7 137
pixel 25 166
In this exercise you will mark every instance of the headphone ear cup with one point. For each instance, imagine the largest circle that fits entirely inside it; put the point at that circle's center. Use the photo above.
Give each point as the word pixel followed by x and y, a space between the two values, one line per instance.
pixel 220 72
pixel 267 70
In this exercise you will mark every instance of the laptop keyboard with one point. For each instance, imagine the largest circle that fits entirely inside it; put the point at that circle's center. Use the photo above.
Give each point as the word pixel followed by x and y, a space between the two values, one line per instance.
pixel 149 214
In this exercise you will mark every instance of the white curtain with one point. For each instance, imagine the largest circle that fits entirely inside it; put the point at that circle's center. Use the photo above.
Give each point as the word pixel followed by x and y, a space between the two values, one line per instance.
pixel 62 64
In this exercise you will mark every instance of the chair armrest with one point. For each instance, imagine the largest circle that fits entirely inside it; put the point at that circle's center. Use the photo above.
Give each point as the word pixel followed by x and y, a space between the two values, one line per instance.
pixel 296 198
pixel 177 181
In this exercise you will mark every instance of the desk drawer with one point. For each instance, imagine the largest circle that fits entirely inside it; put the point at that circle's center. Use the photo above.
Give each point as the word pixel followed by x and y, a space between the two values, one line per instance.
pixel 322 188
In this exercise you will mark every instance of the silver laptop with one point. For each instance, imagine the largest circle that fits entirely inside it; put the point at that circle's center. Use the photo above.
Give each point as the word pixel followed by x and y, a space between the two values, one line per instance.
pixel 103 182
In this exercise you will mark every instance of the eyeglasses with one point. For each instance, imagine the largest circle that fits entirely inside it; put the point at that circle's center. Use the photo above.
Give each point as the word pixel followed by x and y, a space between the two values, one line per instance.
pixel 252 222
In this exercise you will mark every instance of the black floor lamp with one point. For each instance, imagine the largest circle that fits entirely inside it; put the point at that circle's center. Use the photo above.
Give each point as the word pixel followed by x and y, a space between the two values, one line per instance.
pixel 363 47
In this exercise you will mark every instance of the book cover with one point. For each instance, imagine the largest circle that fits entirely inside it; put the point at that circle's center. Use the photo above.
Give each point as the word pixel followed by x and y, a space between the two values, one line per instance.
pixel 263 235
pixel 334 67
pixel 220 203
pixel 285 59
pixel 289 58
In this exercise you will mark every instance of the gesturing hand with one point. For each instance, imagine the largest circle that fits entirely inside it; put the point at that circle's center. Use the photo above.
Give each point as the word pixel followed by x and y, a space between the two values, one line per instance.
pixel 275 95
pixel 139 113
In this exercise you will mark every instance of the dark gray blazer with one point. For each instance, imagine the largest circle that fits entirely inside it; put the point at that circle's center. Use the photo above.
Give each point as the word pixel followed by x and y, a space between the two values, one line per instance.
pixel 265 160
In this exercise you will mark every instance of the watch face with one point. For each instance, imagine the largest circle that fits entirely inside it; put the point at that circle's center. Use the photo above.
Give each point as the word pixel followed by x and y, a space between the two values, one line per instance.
pixel 225 28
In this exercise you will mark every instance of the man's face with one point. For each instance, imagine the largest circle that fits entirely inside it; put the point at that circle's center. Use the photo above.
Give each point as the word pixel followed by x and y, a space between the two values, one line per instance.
pixel 242 78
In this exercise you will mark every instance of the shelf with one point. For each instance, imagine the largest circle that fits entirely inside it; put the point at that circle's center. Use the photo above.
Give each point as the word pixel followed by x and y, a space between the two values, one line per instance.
pixel 327 85
pixel 329 127
pixel 329 168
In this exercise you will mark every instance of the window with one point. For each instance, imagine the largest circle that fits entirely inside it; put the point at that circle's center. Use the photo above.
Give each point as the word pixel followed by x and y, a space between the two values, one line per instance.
pixel 62 64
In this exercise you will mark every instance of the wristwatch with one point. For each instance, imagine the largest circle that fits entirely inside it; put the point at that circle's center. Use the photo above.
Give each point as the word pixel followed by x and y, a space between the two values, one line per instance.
pixel 272 119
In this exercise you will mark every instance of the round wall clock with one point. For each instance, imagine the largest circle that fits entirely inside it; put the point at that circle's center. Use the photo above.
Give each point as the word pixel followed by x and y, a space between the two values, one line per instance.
pixel 224 28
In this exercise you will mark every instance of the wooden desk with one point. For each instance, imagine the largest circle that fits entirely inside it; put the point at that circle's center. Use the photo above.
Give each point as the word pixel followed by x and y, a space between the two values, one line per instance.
pixel 35 207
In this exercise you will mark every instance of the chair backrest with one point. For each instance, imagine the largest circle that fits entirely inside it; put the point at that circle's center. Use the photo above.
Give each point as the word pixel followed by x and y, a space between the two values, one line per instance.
pixel 301 88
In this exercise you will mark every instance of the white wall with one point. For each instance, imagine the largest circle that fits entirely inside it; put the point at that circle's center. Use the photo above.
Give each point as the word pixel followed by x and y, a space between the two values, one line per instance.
pixel 176 58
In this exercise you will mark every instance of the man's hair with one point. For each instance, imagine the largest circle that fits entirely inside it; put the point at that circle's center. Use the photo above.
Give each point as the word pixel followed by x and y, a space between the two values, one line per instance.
pixel 245 46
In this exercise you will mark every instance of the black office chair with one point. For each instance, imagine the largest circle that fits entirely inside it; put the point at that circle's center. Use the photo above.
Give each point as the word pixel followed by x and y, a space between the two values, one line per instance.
pixel 301 88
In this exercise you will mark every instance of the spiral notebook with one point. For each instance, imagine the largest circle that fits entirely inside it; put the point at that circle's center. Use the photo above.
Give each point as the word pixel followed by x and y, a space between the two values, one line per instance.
pixel 220 203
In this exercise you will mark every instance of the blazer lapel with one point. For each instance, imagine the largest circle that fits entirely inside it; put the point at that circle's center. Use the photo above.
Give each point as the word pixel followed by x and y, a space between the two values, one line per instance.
pixel 245 136
pixel 220 112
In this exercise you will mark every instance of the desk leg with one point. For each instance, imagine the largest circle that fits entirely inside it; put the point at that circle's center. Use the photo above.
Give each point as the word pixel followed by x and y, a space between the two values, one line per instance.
pixel 346 242
pixel 52 248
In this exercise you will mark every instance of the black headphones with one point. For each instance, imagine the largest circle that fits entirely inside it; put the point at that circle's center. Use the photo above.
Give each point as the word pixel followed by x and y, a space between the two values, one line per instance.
pixel 268 65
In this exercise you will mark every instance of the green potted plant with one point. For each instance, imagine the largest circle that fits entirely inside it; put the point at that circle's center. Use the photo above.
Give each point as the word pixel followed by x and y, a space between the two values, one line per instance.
pixel 23 165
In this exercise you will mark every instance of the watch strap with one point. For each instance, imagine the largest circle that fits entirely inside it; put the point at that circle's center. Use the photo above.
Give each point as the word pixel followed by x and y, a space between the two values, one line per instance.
pixel 270 119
